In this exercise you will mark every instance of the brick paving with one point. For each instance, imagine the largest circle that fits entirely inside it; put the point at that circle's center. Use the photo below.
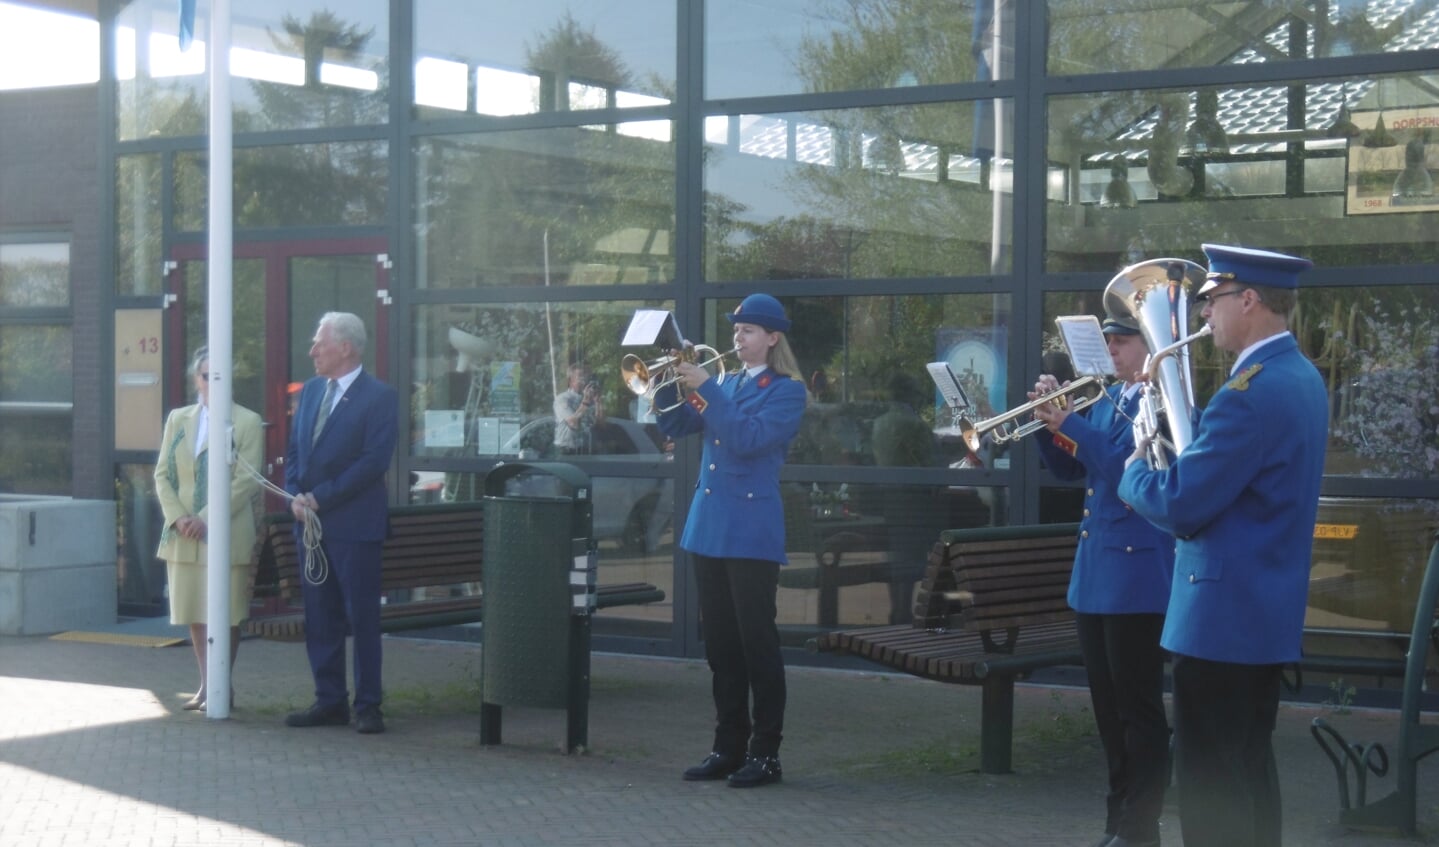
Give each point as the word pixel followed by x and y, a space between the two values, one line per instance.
pixel 95 750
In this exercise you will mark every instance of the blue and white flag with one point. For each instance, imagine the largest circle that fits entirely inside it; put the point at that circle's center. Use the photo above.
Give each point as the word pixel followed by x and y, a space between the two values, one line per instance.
pixel 187 23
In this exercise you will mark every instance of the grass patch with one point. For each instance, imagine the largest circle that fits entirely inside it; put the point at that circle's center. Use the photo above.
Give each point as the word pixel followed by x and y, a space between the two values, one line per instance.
pixel 942 757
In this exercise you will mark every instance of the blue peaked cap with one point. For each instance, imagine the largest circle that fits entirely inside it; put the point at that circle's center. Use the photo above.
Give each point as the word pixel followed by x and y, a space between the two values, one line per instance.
pixel 1252 267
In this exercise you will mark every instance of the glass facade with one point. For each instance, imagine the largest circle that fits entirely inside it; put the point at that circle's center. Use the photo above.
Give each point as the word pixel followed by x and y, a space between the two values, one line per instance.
pixel 918 181
pixel 37 395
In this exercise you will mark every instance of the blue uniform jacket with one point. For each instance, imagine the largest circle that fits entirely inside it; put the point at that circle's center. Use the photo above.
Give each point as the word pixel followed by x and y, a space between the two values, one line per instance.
pixel 736 511
pixel 345 469
pixel 1124 564
pixel 1241 500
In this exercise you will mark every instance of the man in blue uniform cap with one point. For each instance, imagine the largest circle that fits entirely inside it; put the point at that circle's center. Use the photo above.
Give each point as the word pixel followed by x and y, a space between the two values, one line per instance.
pixel 1241 500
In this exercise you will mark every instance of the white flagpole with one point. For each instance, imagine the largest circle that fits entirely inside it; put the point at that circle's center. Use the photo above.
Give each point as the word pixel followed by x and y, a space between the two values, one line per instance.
pixel 221 257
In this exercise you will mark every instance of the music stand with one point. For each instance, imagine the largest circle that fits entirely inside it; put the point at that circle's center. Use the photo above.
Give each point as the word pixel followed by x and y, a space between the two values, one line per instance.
pixel 950 389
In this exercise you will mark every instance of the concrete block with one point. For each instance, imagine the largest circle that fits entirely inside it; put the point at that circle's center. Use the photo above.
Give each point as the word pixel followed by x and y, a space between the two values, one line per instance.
pixel 57 565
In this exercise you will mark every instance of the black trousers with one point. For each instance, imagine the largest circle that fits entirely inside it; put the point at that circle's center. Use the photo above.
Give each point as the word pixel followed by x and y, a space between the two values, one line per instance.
pixel 737 611
pixel 1224 717
pixel 1125 665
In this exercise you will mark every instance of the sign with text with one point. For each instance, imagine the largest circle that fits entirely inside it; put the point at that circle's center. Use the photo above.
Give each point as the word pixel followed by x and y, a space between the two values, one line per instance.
pixel 1393 170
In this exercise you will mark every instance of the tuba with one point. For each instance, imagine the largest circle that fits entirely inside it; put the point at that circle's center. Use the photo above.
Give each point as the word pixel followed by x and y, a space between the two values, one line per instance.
pixel 1156 294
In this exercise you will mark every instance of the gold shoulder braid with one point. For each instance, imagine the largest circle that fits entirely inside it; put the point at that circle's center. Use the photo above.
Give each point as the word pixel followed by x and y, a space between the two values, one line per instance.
pixel 1241 380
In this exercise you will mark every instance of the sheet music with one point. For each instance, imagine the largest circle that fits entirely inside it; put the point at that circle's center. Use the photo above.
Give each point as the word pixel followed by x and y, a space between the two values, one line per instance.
pixel 1084 341
pixel 650 327
pixel 948 385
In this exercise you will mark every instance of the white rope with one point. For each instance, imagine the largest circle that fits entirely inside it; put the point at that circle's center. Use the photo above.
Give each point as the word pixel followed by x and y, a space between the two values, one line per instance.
pixel 317 564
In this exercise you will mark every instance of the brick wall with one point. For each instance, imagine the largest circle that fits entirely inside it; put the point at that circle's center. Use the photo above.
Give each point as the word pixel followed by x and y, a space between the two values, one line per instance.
pixel 50 182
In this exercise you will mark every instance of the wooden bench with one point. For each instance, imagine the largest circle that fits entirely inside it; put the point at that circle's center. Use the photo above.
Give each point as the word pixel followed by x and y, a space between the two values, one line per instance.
pixel 990 611
pixel 430 576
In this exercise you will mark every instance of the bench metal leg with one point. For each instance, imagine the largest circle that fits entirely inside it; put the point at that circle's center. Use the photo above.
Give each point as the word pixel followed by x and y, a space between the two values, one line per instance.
pixel 1398 811
pixel 996 724
pixel 489 723
pixel 577 723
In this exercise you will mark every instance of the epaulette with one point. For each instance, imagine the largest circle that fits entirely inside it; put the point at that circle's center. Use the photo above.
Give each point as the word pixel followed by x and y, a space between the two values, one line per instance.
pixel 1240 382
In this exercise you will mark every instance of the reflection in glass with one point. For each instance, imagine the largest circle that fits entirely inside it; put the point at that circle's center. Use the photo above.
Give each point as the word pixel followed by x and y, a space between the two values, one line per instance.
pixel 851 193
pixel 569 206
pixel 872 401
pixel 542 56
pixel 857 551
pixel 755 48
pixel 488 381
pixel 36 409
pixel 1283 173
pixel 140 575
pixel 293 66
pixel 1102 36
pixel 138 231
pixel 247 325
pixel 35 275
pixel 340 183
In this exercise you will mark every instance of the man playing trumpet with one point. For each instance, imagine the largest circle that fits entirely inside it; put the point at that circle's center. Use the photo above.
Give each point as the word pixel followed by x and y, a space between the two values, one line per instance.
pixel 1119 589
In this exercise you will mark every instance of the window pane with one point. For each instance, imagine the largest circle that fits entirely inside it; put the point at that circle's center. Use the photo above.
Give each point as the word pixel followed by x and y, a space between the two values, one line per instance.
pixel 1098 36
pixel 293 65
pixel 35 450
pixel 761 47
pixel 1145 174
pixel 577 206
pixel 1369 561
pixel 291 185
pixel 885 192
pixel 864 359
pixel 35 364
pixel 35 275
pixel 492 381
pixel 857 552
pixel 542 56
pixel 138 230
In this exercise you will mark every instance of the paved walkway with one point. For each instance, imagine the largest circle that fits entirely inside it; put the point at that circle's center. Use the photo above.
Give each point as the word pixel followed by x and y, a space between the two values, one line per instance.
pixel 94 750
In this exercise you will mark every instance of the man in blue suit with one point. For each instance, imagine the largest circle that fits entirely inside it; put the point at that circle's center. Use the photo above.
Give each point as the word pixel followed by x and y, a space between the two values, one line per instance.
pixel 341 442
pixel 1119 590
pixel 1241 500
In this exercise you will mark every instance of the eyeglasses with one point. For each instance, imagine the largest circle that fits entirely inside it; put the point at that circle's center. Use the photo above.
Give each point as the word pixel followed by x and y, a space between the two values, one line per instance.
pixel 1211 297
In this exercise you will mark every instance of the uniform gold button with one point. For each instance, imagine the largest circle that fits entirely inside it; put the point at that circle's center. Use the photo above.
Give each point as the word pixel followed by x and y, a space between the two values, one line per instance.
pixel 712 467
pixel 749 495
pixel 1191 578
pixel 1084 534
pixel 1089 493
pixel 716 441
pixel 1129 549
pixel 707 491
pixel 1086 513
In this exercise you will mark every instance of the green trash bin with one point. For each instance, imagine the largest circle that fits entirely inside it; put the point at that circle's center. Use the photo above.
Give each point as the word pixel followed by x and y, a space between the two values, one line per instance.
pixel 539 594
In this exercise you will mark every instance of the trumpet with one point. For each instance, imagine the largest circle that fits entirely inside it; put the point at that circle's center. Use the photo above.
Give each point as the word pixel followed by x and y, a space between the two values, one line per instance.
pixel 647 379
pixel 1006 427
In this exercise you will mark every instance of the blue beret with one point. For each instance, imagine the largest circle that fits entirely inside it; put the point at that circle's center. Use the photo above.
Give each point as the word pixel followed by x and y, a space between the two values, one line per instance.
pixel 1114 325
pixel 760 310
pixel 1252 267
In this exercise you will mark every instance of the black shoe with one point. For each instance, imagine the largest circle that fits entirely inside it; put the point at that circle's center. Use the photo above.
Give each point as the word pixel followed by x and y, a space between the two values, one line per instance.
pixel 369 721
pixel 318 715
pixel 714 766
pixel 757 771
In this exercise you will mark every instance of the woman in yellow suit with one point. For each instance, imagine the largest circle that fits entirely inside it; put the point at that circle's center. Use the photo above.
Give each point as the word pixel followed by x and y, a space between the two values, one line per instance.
pixel 181 483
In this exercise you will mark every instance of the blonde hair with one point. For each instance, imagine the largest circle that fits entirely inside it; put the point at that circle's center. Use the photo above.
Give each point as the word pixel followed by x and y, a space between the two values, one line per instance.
pixel 781 360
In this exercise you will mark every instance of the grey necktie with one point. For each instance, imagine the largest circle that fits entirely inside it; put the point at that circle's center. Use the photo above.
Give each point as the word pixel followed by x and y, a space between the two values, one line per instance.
pixel 325 405
pixel 739 383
